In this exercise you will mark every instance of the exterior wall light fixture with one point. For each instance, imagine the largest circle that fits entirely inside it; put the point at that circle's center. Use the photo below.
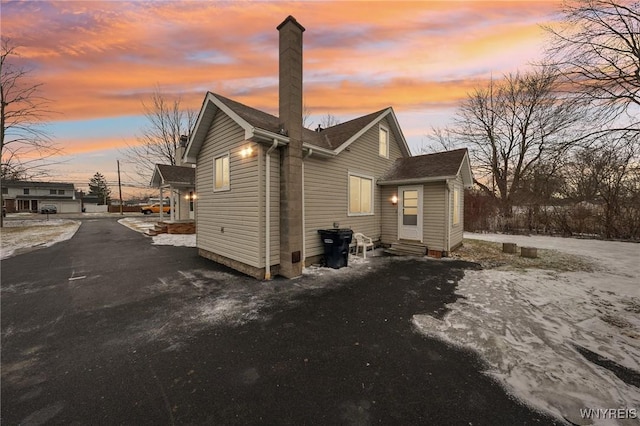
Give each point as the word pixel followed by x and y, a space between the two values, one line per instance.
pixel 394 200
pixel 246 152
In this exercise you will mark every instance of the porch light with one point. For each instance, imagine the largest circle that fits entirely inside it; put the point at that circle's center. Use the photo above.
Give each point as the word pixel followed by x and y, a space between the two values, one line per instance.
pixel 394 200
pixel 246 152
pixel 190 197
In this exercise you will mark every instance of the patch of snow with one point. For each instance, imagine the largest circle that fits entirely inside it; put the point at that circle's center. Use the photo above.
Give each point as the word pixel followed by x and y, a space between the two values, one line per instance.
pixel 527 325
pixel 25 234
pixel 140 224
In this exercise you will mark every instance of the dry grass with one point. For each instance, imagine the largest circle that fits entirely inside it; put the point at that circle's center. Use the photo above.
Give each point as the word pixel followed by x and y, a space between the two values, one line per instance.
pixel 490 255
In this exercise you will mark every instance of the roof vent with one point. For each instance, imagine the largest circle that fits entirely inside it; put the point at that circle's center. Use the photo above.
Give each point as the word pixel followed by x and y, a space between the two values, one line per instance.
pixel 319 129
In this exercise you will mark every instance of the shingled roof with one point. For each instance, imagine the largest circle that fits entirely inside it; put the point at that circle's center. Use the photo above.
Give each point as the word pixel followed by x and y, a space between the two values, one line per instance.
pixel 330 138
pixel 165 174
pixel 426 167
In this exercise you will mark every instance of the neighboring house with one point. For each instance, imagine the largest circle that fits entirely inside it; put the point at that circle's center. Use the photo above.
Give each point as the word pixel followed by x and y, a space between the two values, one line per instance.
pixel 180 182
pixel 266 185
pixel 25 196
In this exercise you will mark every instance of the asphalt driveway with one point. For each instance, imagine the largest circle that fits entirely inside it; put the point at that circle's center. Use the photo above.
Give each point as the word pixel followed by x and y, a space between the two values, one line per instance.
pixel 108 329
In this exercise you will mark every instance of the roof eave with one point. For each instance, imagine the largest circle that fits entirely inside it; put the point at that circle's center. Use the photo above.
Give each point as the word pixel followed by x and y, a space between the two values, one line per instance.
pixel 322 152
pixel 200 132
pixel 361 132
pixel 267 135
pixel 396 128
pixel 466 172
pixel 156 177
pixel 415 180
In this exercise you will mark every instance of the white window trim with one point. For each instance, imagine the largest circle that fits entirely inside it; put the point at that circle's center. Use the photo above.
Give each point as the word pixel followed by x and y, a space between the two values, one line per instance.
pixel 386 129
pixel 373 192
pixel 456 206
pixel 224 188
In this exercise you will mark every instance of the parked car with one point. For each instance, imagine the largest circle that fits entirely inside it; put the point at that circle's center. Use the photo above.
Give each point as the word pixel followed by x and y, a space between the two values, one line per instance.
pixel 155 208
pixel 48 208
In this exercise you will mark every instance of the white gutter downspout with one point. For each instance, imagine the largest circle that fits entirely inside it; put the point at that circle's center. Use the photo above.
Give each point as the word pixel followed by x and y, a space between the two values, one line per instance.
pixel 304 228
pixel 448 220
pixel 267 213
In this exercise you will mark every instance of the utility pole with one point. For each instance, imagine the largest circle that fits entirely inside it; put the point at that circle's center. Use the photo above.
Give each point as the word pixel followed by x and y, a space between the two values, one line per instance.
pixel 119 187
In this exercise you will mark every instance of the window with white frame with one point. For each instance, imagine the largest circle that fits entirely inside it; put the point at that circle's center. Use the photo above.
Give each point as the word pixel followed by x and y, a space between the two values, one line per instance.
pixel 221 173
pixel 383 149
pixel 360 195
pixel 456 206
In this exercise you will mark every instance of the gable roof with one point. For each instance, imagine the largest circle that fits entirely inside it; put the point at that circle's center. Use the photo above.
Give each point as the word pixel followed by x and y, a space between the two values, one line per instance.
pixel 164 174
pixel 35 184
pixel 263 126
pixel 430 167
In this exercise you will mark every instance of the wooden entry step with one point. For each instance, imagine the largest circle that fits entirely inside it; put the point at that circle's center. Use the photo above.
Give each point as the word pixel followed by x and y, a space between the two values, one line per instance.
pixel 181 227
pixel 407 248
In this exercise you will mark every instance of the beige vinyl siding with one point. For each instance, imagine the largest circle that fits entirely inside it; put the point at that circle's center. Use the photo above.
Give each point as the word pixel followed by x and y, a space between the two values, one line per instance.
pixel 275 206
pixel 182 205
pixel 389 219
pixel 228 221
pixel 326 188
pixel 434 217
pixel 457 230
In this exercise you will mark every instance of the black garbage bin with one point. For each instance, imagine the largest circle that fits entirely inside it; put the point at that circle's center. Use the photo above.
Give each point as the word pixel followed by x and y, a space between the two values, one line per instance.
pixel 336 246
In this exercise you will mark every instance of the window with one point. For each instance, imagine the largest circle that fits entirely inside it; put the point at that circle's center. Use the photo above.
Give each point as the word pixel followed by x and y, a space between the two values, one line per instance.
pixel 53 192
pixel 360 195
pixel 410 207
pixel 221 173
pixel 25 191
pixel 383 149
pixel 5 190
pixel 456 206
pixel 60 191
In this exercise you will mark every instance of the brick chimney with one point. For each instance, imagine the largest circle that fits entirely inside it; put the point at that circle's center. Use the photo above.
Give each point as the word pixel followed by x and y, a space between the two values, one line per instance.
pixel 290 109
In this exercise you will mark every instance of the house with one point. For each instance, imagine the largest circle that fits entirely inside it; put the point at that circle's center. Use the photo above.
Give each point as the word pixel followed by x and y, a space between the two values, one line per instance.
pixel 266 184
pixel 179 181
pixel 27 196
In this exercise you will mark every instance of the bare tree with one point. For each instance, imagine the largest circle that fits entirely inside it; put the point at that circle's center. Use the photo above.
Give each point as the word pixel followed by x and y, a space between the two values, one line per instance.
pixel 160 139
pixel 607 176
pixel 512 126
pixel 328 120
pixel 306 116
pixel 25 146
pixel 597 48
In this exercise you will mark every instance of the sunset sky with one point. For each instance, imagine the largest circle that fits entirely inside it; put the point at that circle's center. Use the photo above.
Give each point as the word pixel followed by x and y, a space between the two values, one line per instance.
pixel 99 60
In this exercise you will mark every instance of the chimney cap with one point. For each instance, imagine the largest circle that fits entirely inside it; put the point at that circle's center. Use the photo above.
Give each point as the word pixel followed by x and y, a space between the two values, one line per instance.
pixel 292 20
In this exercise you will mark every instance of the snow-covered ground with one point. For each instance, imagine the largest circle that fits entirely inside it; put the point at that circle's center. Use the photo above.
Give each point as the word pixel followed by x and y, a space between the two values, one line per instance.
pixel 141 224
pixel 25 234
pixel 528 325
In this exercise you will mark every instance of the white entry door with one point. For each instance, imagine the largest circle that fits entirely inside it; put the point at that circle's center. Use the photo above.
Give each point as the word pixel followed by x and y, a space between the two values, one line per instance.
pixel 410 213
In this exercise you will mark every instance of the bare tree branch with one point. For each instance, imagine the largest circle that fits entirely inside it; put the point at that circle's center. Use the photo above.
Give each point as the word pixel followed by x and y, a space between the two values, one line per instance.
pixel 597 48
pixel 159 141
pixel 512 127
pixel 25 145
